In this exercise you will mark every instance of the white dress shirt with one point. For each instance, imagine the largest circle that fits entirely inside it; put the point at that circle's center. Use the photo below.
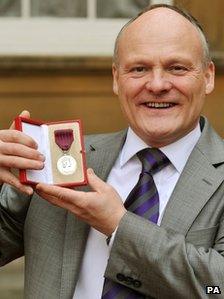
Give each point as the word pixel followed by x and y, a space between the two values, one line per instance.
pixel 123 177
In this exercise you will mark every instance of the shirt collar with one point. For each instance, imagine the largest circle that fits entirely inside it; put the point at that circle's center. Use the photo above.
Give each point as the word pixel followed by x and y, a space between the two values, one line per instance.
pixel 177 152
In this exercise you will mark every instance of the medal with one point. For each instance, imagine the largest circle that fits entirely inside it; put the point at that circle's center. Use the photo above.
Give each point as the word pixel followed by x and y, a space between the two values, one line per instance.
pixel 66 164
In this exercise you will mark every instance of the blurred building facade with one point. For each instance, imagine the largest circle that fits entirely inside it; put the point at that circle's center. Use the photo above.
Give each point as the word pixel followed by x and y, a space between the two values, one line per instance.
pixel 55 61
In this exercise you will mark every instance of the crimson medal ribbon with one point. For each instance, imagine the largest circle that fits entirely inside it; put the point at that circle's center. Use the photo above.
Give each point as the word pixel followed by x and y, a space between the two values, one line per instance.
pixel 64 139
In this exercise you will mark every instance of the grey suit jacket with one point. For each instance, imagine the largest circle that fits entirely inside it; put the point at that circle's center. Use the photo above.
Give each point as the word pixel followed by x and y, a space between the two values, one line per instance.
pixel 176 260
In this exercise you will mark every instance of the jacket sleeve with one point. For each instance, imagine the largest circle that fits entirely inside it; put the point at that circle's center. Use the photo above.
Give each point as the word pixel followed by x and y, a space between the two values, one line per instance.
pixel 13 209
pixel 162 263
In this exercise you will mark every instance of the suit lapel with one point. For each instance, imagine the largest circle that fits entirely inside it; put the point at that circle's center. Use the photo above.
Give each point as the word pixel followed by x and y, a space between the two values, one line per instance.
pixel 199 180
pixel 101 153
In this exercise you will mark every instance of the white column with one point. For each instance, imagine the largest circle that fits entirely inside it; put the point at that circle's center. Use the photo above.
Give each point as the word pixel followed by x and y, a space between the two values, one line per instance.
pixel 91 9
pixel 25 9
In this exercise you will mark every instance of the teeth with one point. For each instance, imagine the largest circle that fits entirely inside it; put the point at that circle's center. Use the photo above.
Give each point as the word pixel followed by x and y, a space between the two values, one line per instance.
pixel 159 105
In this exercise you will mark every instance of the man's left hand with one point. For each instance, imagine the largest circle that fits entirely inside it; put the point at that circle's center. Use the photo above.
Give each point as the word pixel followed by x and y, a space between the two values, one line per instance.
pixel 101 208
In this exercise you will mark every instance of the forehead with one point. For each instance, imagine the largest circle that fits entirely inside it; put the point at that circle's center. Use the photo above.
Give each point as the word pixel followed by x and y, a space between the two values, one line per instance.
pixel 162 29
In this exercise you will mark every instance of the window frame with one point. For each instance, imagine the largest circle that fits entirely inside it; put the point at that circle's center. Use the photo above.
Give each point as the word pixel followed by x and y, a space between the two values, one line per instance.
pixel 47 36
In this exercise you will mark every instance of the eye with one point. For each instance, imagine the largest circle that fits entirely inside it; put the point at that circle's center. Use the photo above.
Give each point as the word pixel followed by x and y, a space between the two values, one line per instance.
pixel 138 69
pixel 179 69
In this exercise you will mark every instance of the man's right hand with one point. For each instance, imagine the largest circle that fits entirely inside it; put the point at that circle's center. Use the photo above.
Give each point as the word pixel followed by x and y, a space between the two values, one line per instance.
pixel 18 151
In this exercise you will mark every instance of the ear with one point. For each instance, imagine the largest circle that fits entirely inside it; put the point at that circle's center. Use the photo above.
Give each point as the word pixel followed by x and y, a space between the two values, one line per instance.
pixel 115 78
pixel 210 78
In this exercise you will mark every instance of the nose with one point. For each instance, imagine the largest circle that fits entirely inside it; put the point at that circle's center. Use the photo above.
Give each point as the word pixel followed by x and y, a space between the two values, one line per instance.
pixel 158 82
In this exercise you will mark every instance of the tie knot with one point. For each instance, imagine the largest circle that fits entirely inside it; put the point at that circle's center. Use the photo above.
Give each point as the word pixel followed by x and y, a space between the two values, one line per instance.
pixel 153 160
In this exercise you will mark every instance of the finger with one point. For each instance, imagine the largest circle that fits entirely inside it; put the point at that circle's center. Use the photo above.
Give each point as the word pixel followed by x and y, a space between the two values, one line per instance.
pixel 57 202
pixel 95 182
pixel 12 180
pixel 14 136
pixel 24 113
pixel 20 163
pixel 48 197
pixel 62 194
pixel 20 150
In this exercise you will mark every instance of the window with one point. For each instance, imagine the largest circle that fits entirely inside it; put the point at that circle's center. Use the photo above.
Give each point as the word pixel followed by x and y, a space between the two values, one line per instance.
pixel 64 27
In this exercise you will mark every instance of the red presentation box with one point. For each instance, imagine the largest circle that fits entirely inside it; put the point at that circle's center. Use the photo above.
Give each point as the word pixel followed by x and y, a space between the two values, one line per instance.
pixel 62 145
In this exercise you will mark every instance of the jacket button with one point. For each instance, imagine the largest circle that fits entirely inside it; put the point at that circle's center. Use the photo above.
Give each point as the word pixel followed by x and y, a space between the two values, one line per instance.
pixel 137 283
pixel 129 280
pixel 120 277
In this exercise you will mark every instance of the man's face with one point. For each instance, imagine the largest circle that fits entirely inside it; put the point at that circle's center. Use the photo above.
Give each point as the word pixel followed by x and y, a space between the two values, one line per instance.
pixel 160 78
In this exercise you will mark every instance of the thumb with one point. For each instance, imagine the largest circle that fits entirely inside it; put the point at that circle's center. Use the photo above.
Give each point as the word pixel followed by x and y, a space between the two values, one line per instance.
pixel 24 113
pixel 95 182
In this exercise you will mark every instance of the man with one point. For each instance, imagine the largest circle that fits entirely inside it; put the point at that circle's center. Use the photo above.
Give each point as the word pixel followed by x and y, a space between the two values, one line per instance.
pixel 162 73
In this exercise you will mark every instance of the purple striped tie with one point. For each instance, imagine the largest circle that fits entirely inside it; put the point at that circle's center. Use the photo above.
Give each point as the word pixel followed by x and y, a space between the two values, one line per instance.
pixel 143 200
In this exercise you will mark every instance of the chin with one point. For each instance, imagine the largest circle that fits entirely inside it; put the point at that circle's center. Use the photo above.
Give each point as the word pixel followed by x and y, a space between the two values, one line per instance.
pixel 158 138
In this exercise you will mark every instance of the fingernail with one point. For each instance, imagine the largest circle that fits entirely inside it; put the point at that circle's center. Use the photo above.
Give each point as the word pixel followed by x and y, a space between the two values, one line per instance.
pixel 42 157
pixel 90 171
pixel 35 145
pixel 40 165
pixel 29 190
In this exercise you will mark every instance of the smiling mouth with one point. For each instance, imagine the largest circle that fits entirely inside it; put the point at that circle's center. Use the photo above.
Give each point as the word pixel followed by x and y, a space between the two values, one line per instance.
pixel 156 105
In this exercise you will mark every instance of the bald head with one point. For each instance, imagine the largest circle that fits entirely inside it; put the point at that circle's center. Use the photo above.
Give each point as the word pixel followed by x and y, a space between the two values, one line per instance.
pixel 169 18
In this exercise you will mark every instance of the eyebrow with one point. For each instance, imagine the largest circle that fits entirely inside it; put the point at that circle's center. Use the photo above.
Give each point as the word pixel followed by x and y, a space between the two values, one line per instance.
pixel 147 61
pixel 179 60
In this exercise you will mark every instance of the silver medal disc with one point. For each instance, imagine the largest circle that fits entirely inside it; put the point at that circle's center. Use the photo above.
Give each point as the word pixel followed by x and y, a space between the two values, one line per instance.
pixel 67 165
